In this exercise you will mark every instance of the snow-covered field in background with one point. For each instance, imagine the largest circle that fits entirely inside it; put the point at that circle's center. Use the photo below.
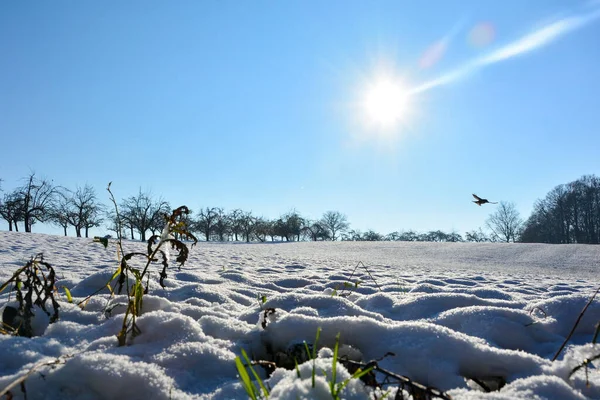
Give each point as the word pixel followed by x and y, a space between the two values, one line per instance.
pixel 447 311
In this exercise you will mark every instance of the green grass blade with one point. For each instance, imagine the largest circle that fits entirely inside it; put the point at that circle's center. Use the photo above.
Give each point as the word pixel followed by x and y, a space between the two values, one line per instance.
pixel 314 354
pixel 357 375
pixel 245 378
pixel 334 365
pixel 68 294
pixel 297 369
pixel 313 368
pixel 256 376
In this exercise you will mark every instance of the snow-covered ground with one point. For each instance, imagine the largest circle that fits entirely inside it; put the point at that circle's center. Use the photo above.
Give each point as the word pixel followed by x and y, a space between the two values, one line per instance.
pixel 448 311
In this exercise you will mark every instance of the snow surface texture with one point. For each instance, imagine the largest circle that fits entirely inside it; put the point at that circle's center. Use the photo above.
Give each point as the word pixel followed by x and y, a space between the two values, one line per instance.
pixel 447 311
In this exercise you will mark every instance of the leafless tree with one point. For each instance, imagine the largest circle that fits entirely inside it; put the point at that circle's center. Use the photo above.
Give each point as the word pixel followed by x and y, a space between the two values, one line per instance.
pixel 246 224
pixel 353 235
pixel 235 217
pixel 79 209
pixel 38 196
pixel 222 225
pixel 141 212
pixel 409 236
pixel 315 230
pixel 372 236
pixel 289 226
pixel 88 209
pixel 206 221
pixel 60 213
pixel 12 210
pixel 570 213
pixel 477 236
pixel 335 222
pixel 505 223
pixel 262 229
pixel 454 237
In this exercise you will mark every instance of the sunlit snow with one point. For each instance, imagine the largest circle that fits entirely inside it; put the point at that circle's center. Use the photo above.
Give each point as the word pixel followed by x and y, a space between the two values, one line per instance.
pixel 448 311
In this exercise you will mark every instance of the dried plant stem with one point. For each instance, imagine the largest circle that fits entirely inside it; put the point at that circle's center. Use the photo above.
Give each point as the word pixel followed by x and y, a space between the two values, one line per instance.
pixel 417 390
pixel 576 323
pixel 596 333
pixel 20 380
pixel 368 272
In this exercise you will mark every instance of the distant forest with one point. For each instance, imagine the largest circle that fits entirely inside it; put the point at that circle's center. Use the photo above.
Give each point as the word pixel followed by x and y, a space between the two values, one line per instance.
pixel 570 213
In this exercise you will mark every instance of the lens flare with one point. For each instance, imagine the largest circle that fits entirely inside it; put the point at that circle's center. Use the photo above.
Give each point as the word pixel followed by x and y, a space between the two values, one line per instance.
pixel 433 54
pixel 482 34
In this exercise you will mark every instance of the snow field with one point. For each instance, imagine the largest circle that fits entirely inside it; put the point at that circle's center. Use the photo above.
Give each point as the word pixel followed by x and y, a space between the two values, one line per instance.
pixel 448 312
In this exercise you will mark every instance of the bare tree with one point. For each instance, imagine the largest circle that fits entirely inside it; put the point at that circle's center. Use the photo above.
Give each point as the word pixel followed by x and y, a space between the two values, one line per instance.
pixel 352 236
pixel 315 230
pixel 38 196
pixel 289 226
pixel 60 213
pixel 372 236
pixel 358 236
pixel 79 209
pixel 222 225
pixel 477 236
pixel 123 226
pixel 206 221
pixel 409 236
pixel 568 214
pixel 235 217
pixel 505 223
pixel 335 222
pixel 262 229
pixel 246 223
pixel 88 209
pixel 141 212
pixel 454 237
pixel 11 210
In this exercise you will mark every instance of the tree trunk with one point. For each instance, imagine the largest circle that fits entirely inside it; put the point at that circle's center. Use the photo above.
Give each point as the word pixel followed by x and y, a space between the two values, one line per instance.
pixel 27 223
pixel 10 226
pixel 86 232
pixel 65 230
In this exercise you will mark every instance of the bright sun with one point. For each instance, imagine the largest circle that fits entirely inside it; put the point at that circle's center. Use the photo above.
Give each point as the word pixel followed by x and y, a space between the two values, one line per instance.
pixel 386 102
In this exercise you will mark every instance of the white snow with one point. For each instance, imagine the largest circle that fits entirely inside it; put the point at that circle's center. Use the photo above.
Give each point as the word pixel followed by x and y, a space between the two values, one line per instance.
pixel 448 311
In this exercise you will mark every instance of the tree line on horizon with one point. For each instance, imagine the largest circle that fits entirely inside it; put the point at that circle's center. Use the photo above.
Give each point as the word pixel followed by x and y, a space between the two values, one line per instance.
pixel 568 214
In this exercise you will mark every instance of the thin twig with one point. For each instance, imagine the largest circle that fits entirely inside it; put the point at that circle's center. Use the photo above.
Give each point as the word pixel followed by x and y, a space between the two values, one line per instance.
pixel 576 323
pixel 401 380
pixel 20 380
pixel 368 272
pixel 595 338
pixel 585 363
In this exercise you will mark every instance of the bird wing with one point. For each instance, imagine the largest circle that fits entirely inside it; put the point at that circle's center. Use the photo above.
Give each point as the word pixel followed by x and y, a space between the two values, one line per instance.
pixel 477 197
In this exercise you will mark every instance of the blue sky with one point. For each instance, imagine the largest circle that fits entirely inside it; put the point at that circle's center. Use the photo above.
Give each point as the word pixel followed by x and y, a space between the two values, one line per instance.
pixel 260 105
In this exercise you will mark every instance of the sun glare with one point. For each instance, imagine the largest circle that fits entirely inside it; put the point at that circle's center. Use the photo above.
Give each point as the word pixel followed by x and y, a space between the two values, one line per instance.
pixel 386 102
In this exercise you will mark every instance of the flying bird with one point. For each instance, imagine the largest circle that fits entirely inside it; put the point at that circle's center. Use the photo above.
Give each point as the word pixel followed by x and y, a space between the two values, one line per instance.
pixel 479 201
